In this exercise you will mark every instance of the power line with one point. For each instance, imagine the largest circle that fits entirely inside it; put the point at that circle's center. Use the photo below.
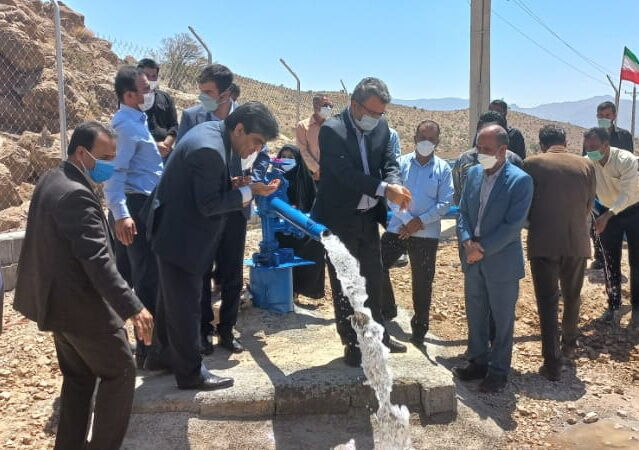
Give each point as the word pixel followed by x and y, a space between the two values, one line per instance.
pixel 557 57
pixel 537 19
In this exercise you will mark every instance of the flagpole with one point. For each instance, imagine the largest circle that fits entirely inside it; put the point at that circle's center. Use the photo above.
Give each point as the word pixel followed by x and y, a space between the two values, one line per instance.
pixel 618 94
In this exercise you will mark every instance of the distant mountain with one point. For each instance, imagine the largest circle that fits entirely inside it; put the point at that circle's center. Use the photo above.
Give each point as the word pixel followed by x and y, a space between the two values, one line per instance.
pixel 435 104
pixel 580 112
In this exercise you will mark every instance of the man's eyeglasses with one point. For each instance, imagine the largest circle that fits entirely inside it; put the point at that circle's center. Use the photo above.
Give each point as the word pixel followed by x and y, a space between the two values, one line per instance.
pixel 373 114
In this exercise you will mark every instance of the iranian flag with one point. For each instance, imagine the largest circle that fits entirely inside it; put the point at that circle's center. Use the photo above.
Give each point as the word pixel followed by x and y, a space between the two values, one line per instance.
pixel 630 66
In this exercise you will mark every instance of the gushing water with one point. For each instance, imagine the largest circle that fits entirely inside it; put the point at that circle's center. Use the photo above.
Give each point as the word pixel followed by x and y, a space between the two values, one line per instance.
pixel 394 430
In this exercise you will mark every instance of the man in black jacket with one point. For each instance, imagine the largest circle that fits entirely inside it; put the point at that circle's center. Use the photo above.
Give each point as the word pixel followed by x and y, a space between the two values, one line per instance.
pixel 358 171
pixel 516 142
pixel 68 283
pixel 187 216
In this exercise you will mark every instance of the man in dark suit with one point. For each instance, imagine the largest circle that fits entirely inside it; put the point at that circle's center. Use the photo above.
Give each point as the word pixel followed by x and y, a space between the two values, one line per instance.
pixel 358 171
pixel 558 243
pixel 187 216
pixel 493 209
pixel 68 283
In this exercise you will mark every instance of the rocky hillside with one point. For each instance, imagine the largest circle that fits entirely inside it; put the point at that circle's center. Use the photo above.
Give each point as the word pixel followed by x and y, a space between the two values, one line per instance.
pixel 29 125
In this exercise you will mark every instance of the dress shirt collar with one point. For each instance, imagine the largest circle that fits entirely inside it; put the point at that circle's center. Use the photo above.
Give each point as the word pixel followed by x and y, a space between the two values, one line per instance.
pixel 413 159
pixel 135 113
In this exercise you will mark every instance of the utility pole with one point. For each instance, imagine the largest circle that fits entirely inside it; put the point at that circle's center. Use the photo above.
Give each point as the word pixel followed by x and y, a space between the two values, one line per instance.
pixel 479 62
pixel 634 110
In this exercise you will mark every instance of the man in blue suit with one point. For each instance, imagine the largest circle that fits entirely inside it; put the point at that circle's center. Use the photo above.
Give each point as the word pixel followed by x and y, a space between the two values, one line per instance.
pixel 493 209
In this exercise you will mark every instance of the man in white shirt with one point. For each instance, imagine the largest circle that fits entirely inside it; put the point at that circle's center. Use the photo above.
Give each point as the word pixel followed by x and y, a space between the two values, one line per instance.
pixel 617 190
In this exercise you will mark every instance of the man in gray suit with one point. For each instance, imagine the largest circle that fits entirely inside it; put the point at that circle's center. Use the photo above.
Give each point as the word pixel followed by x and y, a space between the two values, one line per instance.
pixel 215 99
pixel 493 209
pixel 68 283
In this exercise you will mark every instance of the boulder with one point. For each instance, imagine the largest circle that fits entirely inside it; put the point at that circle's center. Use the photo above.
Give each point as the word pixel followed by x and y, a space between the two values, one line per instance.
pixel 43 159
pixel 21 51
pixel 9 195
pixel 14 218
pixel 17 160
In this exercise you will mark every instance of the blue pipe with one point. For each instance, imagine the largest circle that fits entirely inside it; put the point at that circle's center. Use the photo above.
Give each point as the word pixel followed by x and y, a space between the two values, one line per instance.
pixel 298 219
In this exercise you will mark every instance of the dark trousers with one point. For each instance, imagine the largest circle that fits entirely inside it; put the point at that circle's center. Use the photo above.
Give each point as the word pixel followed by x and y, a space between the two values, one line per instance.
pixel 362 241
pixel 229 262
pixel 626 222
pixel 423 255
pixel 83 359
pixel 490 304
pixel 121 256
pixel 177 321
pixel 144 271
pixel 549 274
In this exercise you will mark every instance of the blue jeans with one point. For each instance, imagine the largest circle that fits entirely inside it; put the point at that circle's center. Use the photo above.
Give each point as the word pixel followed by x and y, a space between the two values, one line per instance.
pixel 486 299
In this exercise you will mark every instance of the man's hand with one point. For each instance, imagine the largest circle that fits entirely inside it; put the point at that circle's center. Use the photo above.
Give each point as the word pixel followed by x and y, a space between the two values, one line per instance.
pixel 412 227
pixel 602 221
pixel 125 230
pixel 474 251
pixel 264 189
pixel 238 182
pixel 143 325
pixel 399 195
pixel 164 149
pixel 316 175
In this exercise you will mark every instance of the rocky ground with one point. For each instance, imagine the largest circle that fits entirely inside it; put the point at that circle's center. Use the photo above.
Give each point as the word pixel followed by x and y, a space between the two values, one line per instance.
pixel 595 405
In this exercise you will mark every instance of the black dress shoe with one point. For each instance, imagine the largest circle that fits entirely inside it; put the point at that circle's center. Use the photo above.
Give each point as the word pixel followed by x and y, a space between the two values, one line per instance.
pixel 352 356
pixel 493 384
pixel 395 347
pixel 551 372
pixel 206 347
pixel 208 382
pixel 471 372
pixel 596 264
pixel 231 344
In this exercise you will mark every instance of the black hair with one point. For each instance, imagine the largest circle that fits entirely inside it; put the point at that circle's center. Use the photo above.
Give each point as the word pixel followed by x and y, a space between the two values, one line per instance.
pixel 607 105
pixel 427 122
pixel 85 134
pixel 550 135
pixel 596 132
pixel 492 117
pixel 218 74
pixel 256 118
pixel 500 104
pixel 125 81
pixel 235 90
pixel 148 63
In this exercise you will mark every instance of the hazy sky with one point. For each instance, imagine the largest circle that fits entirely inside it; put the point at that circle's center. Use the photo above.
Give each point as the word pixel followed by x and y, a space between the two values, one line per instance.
pixel 419 47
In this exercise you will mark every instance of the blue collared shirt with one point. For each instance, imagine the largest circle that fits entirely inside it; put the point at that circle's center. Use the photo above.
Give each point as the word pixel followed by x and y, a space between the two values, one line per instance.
pixel 394 143
pixel 431 186
pixel 138 163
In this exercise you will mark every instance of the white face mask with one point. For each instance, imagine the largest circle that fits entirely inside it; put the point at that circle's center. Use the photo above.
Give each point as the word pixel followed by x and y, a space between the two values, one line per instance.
pixel 154 85
pixel 425 148
pixel 326 112
pixel 367 123
pixel 247 163
pixel 149 99
pixel 486 161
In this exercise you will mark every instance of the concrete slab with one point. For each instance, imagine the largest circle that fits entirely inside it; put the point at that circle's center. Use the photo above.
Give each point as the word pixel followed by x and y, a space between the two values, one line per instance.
pixel 293 366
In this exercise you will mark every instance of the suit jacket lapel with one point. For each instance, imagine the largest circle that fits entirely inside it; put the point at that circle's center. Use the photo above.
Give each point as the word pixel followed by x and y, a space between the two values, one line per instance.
pixel 353 143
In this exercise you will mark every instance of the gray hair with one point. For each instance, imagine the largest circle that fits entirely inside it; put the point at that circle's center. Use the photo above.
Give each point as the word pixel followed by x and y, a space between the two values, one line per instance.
pixel 371 87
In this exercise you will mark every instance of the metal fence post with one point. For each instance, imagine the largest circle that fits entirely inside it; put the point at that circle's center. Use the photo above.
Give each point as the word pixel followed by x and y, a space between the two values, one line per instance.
pixel 299 92
pixel 60 68
pixel 344 86
pixel 202 43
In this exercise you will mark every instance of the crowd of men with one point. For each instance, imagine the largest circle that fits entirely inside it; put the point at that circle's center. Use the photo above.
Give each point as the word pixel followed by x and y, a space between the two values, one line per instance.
pixel 178 196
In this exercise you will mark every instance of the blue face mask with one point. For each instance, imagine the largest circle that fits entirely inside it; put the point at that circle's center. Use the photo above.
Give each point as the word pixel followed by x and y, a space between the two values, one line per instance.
pixel 604 123
pixel 102 171
pixel 595 155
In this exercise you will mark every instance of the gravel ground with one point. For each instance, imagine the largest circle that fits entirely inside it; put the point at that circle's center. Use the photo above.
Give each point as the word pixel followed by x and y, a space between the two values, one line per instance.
pixel 533 412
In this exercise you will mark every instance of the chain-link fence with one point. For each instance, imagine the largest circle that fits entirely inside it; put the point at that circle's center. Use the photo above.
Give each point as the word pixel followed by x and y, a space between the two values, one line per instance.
pixel 30 141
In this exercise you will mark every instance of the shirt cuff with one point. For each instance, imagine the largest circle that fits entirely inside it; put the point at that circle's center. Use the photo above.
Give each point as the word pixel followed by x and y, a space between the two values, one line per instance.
pixel 247 195
pixel 381 189
pixel 120 211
